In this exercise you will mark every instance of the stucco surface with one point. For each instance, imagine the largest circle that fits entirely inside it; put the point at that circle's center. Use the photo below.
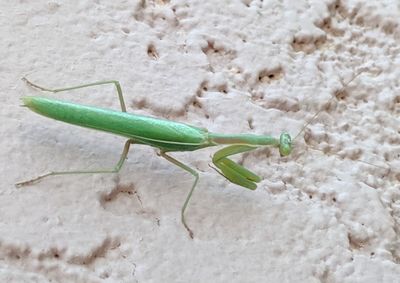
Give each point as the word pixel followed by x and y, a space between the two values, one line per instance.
pixel 329 212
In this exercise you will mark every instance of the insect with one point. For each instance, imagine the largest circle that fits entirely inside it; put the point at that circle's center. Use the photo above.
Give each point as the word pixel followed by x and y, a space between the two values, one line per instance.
pixel 167 136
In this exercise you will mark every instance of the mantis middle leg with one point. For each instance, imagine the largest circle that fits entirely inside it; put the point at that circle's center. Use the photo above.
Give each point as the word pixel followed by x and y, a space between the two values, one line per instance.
pixel 196 178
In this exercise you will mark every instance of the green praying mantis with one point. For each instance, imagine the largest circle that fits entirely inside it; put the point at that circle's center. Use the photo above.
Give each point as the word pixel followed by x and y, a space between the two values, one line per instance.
pixel 167 136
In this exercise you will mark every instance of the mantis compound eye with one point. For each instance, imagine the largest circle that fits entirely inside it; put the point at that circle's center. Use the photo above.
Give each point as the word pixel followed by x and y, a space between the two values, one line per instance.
pixel 285 144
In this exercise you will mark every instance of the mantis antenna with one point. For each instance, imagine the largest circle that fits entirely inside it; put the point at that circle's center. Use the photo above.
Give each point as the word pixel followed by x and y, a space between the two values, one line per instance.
pixel 320 110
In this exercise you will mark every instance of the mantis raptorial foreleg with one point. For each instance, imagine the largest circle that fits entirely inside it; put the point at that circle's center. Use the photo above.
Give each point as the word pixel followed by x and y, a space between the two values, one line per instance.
pixel 231 170
pixel 55 90
pixel 196 176
pixel 115 169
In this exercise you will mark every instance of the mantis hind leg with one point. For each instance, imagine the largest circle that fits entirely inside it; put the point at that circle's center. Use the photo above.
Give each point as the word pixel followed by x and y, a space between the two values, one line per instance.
pixel 115 169
pixel 196 176
pixel 55 90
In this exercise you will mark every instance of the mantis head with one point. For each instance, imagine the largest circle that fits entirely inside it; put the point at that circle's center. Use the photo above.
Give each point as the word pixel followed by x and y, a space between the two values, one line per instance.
pixel 285 144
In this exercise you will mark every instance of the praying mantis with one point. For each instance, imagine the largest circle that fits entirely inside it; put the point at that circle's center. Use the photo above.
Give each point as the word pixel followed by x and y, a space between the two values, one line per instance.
pixel 165 135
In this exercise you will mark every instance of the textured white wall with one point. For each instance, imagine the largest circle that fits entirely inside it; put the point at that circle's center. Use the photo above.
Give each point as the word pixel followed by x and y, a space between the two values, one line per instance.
pixel 230 66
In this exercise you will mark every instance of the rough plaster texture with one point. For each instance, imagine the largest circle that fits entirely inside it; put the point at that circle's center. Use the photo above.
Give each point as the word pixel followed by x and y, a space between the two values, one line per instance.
pixel 319 215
